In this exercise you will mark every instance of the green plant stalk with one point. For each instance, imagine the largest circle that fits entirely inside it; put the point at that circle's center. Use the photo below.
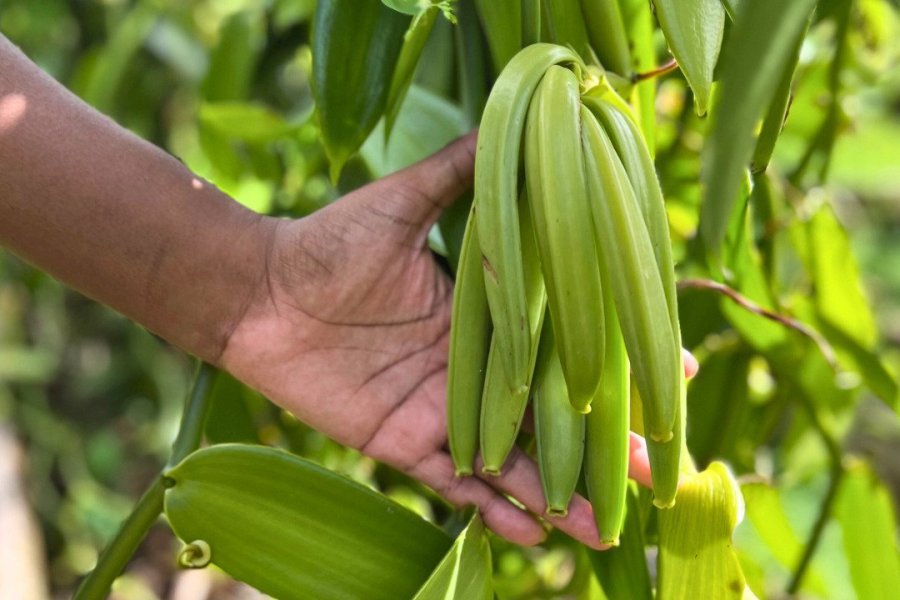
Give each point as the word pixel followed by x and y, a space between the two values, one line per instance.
pixel 193 419
pixel 815 536
pixel 116 556
pixel 837 474
pixel 118 553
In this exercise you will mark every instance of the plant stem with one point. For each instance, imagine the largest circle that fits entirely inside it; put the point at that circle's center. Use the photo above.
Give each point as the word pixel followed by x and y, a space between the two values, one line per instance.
pixel 815 535
pixel 837 474
pixel 97 584
pixel 116 556
pixel 193 419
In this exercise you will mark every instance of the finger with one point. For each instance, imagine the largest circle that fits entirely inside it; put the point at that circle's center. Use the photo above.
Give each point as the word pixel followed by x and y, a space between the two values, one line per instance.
pixel 520 479
pixel 638 460
pixel 425 189
pixel 691 366
pixel 499 514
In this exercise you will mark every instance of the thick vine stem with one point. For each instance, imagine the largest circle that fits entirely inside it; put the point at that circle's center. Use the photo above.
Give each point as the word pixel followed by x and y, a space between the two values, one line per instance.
pixel 112 561
pixel 116 556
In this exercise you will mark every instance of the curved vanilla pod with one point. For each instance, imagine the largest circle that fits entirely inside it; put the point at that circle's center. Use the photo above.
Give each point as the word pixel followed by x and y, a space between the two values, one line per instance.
pixel 561 210
pixel 496 187
pixel 635 156
pixel 606 440
pixel 502 408
pixel 470 334
pixel 558 429
pixel 630 269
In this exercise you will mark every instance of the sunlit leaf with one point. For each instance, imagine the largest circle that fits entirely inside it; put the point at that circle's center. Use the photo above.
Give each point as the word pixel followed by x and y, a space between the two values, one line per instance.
pixel 696 555
pixel 765 32
pixel 865 512
pixel 765 511
pixel 244 121
pixel 465 572
pixel 693 30
pixel 422 109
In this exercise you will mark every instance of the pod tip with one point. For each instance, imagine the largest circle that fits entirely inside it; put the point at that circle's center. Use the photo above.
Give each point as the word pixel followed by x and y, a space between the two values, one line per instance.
pixel 463 471
pixel 492 471
pixel 586 410
pixel 555 511
pixel 663 504
pixel 662 438
pixel 612 542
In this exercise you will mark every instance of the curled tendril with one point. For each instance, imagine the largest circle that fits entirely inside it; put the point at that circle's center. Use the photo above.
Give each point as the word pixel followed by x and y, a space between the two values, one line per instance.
pixel 195 555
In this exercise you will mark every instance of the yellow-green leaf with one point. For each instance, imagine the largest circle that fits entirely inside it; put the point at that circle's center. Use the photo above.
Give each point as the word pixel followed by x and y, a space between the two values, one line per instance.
pixel 765 32
pixel 696 554
pixel 693 30
pixel 866 515
pixel 465 572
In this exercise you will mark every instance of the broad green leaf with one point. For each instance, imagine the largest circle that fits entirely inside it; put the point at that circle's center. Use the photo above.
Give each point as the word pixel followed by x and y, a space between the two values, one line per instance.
pixel 865 512
pixel 293 529
pixel 244 121
pixel 753 62
pixel 423 111
pixel 696 555
pixel 413 44
pixel 765 511
pixel 622 572
pixel 355 45
pixel 839 295
pixel 693 30
pixel 465 573
pixel 502 23
pixel 232 63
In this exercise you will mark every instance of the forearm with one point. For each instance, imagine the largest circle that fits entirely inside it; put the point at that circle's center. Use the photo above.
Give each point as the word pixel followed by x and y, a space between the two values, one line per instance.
pixel 118 219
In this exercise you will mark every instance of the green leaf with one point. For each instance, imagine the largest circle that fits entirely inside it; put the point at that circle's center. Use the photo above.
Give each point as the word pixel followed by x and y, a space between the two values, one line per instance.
pixel 765 511
pixel 413 44
pixel 693 30
pixel 765 32
pixel 839 295
pixel 622 572
pixel 293 529
pixel 465 573
pixel 866 515
pixel 244 121
pixel 502 23
pixel 696 555
pixel 408 7
pixel 355 45
pixel 423 111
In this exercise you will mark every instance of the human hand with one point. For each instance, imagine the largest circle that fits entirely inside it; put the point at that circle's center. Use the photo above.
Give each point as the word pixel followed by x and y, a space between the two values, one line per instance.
pixel 350 332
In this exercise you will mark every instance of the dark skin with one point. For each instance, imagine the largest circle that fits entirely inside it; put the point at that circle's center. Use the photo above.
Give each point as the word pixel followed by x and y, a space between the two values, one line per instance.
pixel 342 317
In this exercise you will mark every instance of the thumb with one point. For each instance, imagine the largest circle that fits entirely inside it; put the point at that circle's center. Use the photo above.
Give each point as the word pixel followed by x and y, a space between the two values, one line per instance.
pixel 420 193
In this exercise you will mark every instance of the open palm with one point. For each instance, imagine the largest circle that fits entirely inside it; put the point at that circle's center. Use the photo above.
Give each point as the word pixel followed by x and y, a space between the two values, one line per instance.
pixel 350 332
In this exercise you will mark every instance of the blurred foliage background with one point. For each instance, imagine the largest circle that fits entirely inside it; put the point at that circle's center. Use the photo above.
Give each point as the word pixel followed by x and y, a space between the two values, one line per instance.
pixel 224 86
